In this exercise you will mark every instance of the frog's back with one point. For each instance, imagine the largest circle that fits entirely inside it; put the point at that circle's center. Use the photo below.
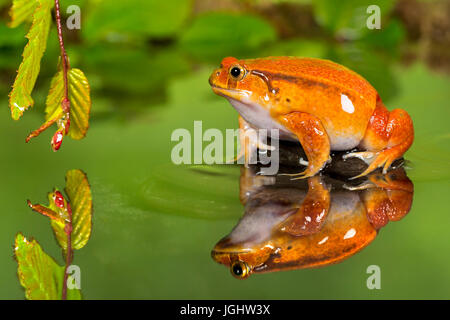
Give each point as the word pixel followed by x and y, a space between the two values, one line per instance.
pixel 342 99
pixel 313 69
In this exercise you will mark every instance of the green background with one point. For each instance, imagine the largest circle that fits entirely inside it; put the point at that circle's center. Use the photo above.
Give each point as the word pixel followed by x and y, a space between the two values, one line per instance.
pixel 155 223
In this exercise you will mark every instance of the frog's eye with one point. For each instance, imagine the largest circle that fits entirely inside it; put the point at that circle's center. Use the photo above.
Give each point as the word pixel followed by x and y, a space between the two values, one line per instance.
pixel 239 269
pixel 237 72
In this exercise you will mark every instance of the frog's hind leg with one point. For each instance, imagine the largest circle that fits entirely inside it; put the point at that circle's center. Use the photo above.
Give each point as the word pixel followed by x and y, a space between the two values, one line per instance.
pixel 313 138
pixel 391 198
pixel 387 137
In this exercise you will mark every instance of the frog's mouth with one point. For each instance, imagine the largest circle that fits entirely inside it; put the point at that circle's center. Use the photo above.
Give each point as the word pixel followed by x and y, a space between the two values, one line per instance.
pixel 242 96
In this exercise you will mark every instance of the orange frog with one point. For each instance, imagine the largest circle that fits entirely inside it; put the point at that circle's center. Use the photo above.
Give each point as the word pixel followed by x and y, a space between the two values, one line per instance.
pixel 323 105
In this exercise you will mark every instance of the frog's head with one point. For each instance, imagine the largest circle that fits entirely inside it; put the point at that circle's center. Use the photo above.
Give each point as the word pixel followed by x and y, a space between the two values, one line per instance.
pixel 235 80
pixel 252 241
pixel 241 260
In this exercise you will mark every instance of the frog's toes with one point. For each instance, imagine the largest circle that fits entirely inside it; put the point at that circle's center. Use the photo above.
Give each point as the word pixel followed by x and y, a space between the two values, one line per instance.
pixel 383 159
pixel 262 146
pixel 301 175
pixel 362 186
pixel 367 156
pixel 303 162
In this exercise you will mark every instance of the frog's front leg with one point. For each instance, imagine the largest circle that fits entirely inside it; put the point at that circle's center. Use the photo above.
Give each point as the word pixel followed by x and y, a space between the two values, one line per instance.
pixel 249 141
pixel 250 181
pixel 313 138
pixel 311 215
pixel 387 137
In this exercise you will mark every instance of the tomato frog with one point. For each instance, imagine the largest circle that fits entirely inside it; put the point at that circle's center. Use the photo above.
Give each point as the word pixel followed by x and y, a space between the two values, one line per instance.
pixel 321 104
pixel 320 221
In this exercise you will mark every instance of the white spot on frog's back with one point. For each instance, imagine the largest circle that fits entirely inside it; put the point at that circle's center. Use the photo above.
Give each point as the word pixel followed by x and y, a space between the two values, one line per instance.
pixel 347 104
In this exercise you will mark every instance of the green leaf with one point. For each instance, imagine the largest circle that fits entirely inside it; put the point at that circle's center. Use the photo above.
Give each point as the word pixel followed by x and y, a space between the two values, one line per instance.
pixel 217 35
pixel 38 273
pixel 80 102
pixel 21 10
pixel 20 96
pixel 80 199
pixel 143 18
pixel 347 18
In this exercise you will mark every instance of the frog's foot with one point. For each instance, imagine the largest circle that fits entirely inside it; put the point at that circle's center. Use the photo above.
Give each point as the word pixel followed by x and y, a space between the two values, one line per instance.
pixel 366 156
pixel 313 138
pixel 362 186
pixel 384 159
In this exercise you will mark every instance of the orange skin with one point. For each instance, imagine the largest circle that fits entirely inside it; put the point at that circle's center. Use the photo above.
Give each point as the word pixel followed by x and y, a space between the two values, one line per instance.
pixel 319 229
pixel 323 105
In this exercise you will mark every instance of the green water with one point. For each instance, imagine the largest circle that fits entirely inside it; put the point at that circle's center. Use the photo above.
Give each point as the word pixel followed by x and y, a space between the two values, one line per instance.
pixel 155 223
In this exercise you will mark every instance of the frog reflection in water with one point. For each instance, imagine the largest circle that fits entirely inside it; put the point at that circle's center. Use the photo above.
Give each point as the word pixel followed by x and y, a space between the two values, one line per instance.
pixel 288 225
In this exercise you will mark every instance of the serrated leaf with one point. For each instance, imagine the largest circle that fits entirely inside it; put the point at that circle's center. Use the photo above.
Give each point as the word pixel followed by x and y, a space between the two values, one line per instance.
pixel 80 101
pixel 21 10
pixel 38 273
pixel 80 199
pixel 20 96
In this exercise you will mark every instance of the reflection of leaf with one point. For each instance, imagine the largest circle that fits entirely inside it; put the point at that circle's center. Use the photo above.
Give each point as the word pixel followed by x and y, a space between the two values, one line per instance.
pixel 20 96
pixel 21 10
pixel 216 35
pixel 80 199
pixel 80 101
pixel 38 273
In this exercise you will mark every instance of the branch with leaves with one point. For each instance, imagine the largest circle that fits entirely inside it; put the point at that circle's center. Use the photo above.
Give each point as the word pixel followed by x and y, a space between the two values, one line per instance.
pixel 68 102
pixel 71 221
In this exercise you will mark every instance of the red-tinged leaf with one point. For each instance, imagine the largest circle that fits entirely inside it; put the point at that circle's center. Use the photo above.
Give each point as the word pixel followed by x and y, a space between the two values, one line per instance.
pixel 80 199
pixel 80 101
pixel 46 212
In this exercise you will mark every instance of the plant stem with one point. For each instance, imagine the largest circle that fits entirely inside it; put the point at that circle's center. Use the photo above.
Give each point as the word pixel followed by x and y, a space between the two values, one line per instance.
pixel 69 253
pixel 65 64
